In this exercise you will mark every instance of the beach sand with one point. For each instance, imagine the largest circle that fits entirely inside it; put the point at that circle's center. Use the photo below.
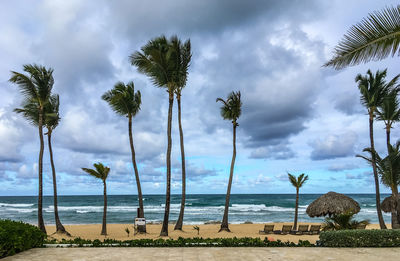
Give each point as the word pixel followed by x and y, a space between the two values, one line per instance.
pixel 117 231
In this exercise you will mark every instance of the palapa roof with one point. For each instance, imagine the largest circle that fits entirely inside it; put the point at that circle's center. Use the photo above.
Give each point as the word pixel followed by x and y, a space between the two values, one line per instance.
pixel 332 203
pixel 386 204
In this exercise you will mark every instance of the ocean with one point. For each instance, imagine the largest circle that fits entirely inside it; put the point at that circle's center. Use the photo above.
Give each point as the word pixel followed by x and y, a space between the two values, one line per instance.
pixel 199 209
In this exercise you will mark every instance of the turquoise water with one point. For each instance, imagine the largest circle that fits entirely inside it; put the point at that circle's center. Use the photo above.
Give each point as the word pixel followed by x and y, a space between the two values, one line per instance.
pixel 257 208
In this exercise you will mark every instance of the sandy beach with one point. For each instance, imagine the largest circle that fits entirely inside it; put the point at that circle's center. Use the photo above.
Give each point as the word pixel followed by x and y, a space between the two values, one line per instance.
pixel 117 231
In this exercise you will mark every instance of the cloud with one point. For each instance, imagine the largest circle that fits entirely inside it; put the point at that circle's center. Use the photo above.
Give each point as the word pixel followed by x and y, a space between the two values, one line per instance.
pixel 278 152
pixel 339 166
pixel 333 146
pixel 345 102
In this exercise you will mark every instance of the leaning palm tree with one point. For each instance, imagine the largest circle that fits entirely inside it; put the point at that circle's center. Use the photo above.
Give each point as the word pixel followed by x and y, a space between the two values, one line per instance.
pixel 35 87
pixel 389 171
pixel 159 61
pixel 373 90
pixel 389 109
pixel 126 102
pixel 297 183
pixel 374 38
pixel 51 119
pixel 230 110
pixel 101 172
pixel 184 56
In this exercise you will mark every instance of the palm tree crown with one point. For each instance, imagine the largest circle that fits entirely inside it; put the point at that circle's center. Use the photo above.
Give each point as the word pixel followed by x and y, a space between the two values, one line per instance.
pixel 100 171
pixel 159 60
pixel 299 181
pixel 374 38
pixel 389 109
pixel 373 89
pixel 232 108
pixel 123 99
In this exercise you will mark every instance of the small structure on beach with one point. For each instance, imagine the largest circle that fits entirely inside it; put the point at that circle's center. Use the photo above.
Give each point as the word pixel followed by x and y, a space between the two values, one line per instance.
pixel 332 203
pixel 386 204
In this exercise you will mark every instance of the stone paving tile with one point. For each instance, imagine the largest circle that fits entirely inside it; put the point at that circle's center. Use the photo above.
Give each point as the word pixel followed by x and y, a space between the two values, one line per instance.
pixel 209 254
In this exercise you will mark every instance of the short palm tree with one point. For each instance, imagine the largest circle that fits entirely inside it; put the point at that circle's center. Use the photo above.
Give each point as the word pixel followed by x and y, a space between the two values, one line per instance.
pixel 126 102
pixel 159 61
pixel 389 109
pixel 373 90
pixel 342 221
pixel 389 171
pixel 35 87
pixel 230 110
pixel 51 120
pixel 374 38
pixel 185 56
pixel 297 183
pixel 101 172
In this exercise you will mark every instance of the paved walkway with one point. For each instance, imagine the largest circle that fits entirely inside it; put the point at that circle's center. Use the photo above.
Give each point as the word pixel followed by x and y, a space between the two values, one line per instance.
pixel 209 254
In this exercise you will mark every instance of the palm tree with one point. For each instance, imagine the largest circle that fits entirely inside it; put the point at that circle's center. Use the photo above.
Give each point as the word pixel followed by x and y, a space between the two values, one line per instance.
pixel 51 119
pixel 389 171
pixel 342 221
pixel 373 90
pixel 159 61
pixel 230 110
pixel 374 38
pixel 35 87
pixel 101 172
pixel 297 183
pixel 126 102
pixel 184 57
pixel 389 110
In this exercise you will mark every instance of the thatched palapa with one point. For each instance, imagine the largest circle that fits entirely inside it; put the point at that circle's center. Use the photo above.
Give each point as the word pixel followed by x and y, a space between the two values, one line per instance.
pixel 387 203
pixel 332 203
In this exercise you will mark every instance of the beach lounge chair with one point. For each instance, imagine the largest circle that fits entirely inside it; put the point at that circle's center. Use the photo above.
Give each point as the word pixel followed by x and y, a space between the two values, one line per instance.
pixel 303 229
pixel 361 226
pixel 315 229
pixel 268 229
pixel 286 229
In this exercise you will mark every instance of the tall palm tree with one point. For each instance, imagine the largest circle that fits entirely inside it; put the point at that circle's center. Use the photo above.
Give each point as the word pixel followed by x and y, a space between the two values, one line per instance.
pixel 389 171
pixel 374 38
pixel 35 87
pixel 297 183
pixel 101 172
pixel 389 109
pixel 51 119
pixel 230 110
pixel 373 90
pixel 126 102
pixel 185 56
pixel 159 61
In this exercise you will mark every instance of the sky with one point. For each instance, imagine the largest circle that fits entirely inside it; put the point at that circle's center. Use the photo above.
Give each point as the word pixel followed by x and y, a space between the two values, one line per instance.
pixel 297 116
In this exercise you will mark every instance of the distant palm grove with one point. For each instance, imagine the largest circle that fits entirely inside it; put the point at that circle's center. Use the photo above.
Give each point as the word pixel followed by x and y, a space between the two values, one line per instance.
pixel 166 61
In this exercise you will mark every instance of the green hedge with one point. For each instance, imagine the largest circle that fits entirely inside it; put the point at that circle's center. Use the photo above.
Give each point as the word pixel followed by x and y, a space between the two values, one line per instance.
pixel 182 242
pixel 360 238
pixel 18 236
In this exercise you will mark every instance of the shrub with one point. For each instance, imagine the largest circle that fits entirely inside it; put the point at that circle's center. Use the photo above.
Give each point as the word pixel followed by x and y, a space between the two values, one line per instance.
pixel 183 242
pixel 18 236
pixel 360 238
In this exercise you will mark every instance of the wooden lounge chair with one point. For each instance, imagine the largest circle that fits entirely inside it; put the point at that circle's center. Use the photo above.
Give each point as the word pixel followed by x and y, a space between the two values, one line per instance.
pixel 361 226
pixel 314 229
pixel 303 229
pixel 268 229
pixel 285 230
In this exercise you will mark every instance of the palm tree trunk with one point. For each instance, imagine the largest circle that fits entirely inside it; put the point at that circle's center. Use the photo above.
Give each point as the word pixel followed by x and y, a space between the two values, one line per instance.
pixel 296 211
pixel 164 229
pixel 377 193
pixel 104 225
pixel 388 137
pixel 225 224
pixel 179 223
pixel 59 227
pixel 396 208
pixel 139 188
pixel 40 198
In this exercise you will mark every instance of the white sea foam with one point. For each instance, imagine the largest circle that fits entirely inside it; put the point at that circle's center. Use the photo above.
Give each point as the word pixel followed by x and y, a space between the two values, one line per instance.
pixel 16 205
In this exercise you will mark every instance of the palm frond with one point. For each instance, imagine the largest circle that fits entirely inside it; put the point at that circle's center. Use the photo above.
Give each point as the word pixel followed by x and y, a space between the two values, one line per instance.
pixel 374 38
pixel 123 99
pixel 232 107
